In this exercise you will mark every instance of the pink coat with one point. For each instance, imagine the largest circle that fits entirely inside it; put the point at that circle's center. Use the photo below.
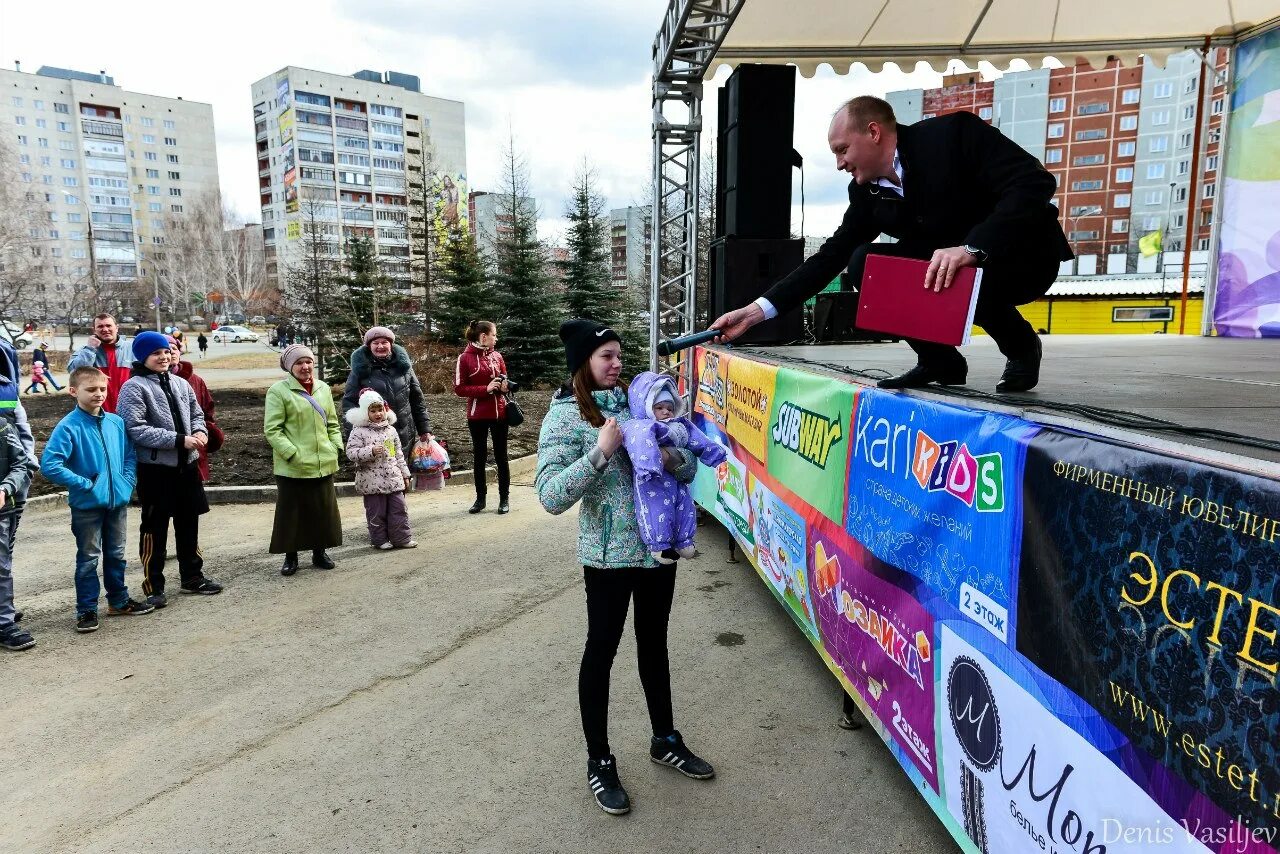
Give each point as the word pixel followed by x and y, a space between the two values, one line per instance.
pixel 377 476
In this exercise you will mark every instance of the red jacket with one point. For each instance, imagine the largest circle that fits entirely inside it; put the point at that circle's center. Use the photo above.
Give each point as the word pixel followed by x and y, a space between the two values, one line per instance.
pixel 475 368
pixel 205 400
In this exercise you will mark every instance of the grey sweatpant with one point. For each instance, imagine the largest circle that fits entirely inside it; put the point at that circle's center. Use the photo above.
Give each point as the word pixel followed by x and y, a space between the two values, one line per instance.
pixel 388 518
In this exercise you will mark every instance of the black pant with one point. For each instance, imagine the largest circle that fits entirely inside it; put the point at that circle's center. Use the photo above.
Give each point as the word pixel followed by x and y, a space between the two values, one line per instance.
pixel 167 493
pixel 608 593
pixel 479 436
pixel 1006 283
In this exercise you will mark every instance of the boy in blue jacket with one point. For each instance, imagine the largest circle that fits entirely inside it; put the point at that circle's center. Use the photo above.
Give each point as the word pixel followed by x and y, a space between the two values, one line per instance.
pixel 90 454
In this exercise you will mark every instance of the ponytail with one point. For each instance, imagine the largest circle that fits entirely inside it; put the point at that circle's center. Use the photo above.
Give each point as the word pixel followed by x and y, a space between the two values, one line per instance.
pixel 476 328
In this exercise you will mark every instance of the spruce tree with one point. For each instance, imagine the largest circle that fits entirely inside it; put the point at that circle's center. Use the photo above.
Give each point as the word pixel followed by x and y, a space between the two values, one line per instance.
pixel 463 292
pixel 532 309
pixel 589 291
pixel 368 298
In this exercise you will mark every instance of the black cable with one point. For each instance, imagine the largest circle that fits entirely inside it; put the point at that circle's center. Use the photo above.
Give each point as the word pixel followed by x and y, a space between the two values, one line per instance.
pixel 1101 414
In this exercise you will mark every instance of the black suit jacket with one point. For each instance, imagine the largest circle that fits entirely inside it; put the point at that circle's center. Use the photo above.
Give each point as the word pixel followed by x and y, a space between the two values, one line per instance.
pixel 964 183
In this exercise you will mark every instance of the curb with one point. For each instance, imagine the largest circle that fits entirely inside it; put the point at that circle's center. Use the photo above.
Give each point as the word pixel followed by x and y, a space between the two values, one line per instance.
pixel 266 493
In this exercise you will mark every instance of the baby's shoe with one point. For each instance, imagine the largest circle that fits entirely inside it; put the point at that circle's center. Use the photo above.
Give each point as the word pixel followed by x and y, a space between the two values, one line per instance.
pixel 662 558
pixel 686 552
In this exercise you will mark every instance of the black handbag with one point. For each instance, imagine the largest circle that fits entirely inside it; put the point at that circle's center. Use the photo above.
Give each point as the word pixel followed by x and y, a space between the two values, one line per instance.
pixel 515 415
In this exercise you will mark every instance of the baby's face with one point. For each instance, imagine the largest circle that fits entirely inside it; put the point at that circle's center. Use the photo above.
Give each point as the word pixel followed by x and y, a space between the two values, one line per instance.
pixel 664 411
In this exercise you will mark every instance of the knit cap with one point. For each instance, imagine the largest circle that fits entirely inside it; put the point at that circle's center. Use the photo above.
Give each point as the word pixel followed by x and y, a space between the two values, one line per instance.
pixel 146 343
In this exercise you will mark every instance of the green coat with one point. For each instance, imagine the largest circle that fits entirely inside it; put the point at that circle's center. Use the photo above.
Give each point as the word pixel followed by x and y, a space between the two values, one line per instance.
pixel 302 445
pixel 608 534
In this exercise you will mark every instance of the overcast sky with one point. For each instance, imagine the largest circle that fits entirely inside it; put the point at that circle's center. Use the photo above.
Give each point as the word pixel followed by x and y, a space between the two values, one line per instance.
pixel 570 77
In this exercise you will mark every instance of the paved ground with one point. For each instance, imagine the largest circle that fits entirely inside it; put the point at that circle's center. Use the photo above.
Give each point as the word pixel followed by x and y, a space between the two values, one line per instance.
pixel 1225 383
pixel 420 701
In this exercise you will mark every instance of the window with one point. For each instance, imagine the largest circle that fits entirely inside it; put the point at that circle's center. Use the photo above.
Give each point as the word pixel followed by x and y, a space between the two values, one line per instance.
pixel 171 158
pixel 1189 111
pixel 1155 170
pixel 353 159
pixel 169 124
pixel 1129 122
pixel 157 240
pixel 1211 163
pixel 1086 210
pixel 41 123
pixel 353 142
pixel 1158 144
pixel 26 176
pixel 984 113
pixel 1124 175
pixel 149 138
pixel 1179 220
pixel 1180 194
pixel 386 145
pixel 1184 166
pixel 175 176
pixel 319 119
pixel 1131 96
pixel 383 110
pixel 1188 85
pixel 150 155
pixel 1053 155
pixel 1089 160
pixel 153 173
pixel 75 216
pixel 22 140
pixel 170 140
pixel 175 208
pixel 62 108
pixel 1160 117
pixel 53 216
pixel 1083 235
pixel 153 189
pixel 1079 186
pixel 1142 314
pixel 155 207
pixel 1126 149
pixel 48 179
pixel 17 101
pixel 1202 244
pixel 70 181
pixel 1122 200
pixel 65 127
pixel 1154 197
pixel 310 98
pixel 147 122
pixel 46 161
pixel 385 127
pixel 1210 190
pixel 174 191
pixel 1163 89
pixel 1056 130
pixel 1092 109
pixel 77 253
pixel 1095 133
pixel 1216 107
pixel 1057 105
pixel 66 145
pixel 19 120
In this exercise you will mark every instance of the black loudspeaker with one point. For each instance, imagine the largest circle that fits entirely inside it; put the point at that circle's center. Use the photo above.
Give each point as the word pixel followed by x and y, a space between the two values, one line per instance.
pixel 754 154
pixel 834 315
pixel 742 270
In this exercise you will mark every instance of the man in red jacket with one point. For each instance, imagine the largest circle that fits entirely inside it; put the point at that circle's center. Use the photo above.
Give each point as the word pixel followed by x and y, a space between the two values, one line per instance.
pixel 110 353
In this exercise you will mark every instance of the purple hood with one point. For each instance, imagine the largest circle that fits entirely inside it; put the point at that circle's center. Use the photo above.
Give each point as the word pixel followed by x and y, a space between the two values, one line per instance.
pixel 645 387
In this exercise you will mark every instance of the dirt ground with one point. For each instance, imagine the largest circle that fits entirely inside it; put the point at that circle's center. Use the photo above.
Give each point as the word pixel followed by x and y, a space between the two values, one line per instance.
pixel 246 457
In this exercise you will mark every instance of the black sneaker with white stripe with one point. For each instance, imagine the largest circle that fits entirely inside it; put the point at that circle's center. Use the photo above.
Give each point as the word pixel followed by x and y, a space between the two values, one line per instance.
pixel 671 751
pixel 602 777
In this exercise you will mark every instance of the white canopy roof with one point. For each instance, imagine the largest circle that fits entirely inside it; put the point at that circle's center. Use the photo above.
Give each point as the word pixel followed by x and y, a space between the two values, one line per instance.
pixel 809 33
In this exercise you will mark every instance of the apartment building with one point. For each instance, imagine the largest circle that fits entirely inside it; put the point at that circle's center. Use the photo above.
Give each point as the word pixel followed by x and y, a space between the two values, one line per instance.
pixel 489 218
pixel 630 239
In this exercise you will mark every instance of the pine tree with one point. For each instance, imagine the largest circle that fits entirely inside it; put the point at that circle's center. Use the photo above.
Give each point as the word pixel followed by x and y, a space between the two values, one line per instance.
pixel 533 311
pixel 368 298
pixel 462 289
pixel 589 291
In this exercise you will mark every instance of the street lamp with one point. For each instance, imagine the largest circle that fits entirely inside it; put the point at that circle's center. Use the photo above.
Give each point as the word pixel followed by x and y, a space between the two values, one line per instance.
pixel 1164 234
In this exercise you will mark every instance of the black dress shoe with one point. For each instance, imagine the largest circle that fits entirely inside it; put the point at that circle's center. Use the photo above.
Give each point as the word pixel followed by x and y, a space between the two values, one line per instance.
pixel 290 564
pixel 923 375
pixel 504 507
pixel 320 560
pixel 1022 374
pixel 477 507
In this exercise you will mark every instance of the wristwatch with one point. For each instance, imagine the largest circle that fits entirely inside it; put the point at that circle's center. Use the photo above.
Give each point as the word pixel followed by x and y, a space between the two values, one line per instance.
pixel 975 252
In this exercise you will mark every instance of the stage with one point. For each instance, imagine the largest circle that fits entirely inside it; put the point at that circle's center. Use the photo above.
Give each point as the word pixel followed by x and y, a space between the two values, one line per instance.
pixel 1230 384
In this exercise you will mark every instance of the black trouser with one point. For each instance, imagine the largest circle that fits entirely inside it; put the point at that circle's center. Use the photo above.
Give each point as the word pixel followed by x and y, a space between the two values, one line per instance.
pixel 159 489
pixel 1006 282
pixel 608 593
pixel 480 451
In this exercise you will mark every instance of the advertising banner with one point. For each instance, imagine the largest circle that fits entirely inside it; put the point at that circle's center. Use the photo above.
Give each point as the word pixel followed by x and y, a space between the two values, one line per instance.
pixel 933 490
pixel 808 441
pixel 881 638
pixel 1150 586
pixel 749 391
pixel 779 533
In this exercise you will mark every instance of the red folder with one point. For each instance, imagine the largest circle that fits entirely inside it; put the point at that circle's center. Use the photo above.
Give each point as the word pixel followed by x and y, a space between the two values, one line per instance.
pixel 893 299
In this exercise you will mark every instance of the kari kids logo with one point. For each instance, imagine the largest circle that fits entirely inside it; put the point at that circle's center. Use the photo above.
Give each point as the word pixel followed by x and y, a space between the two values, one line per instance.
pixel 809 435
pixel 936 465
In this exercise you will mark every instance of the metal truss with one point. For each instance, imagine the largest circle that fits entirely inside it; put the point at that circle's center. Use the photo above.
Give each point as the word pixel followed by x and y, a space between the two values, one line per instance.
pixel 692 31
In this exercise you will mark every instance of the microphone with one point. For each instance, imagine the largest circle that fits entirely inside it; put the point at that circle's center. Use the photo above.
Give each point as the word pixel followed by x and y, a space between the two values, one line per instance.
pixel 672 345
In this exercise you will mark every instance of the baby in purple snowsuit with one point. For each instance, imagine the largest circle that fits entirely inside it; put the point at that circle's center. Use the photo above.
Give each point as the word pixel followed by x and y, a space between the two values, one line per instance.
pixel 664 506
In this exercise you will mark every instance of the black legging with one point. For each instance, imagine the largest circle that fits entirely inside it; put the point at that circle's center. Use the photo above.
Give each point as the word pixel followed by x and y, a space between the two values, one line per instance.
pixel 480 452
pixel 608 593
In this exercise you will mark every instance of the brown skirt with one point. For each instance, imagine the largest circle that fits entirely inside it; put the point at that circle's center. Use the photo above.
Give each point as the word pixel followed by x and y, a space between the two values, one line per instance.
pixel 306 515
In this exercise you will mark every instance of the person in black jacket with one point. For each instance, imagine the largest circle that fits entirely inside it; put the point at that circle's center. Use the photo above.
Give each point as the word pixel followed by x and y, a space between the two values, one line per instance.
pixel 956 192
pixel 384 366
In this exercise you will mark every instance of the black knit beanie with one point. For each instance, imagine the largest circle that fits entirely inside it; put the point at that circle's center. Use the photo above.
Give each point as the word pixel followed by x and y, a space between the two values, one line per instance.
pixel 581 338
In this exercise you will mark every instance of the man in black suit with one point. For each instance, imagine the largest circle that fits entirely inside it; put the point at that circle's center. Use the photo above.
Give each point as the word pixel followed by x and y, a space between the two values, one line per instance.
pixel 956 192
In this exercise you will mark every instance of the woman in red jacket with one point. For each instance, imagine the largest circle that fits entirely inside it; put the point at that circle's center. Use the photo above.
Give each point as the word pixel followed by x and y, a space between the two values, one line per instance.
pixel 481 377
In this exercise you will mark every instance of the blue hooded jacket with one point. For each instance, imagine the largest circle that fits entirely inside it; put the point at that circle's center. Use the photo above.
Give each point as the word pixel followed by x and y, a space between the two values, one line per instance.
pixel 92 457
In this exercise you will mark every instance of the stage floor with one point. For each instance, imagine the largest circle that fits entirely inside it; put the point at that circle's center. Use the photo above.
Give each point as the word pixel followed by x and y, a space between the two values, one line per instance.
pixel 1224 383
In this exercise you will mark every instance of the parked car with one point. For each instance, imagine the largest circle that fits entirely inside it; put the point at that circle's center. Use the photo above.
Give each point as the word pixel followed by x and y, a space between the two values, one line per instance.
pixel 15 335
pixel 234 334
pixel 258 320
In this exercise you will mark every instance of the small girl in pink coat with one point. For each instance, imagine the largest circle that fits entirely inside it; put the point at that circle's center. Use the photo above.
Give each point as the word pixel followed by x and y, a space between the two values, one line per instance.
pixel 382 475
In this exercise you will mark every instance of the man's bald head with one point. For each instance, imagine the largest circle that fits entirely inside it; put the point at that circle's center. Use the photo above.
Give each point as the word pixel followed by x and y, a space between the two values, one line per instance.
pixel 863 136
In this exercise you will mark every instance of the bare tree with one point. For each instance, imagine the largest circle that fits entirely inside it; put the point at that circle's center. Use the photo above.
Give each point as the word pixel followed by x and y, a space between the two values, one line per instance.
pixel 24 275
pixel 243 264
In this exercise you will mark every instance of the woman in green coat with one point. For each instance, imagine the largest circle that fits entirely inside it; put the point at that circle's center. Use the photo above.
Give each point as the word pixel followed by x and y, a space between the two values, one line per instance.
pixel 302 426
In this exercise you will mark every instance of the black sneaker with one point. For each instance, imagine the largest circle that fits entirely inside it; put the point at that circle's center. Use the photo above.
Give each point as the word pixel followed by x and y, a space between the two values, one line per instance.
pixel 157 601
pixel 602 777
pixel 87 622
pixel 203 587
pixel 15 638
pixel 131 608
pixel 671 751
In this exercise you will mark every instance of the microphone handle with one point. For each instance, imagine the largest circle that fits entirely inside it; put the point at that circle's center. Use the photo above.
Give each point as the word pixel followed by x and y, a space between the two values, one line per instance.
pixel 666 348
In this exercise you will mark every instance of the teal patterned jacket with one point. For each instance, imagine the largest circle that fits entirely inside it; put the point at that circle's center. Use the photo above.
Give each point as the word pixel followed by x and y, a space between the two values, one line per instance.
pixel 608 535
